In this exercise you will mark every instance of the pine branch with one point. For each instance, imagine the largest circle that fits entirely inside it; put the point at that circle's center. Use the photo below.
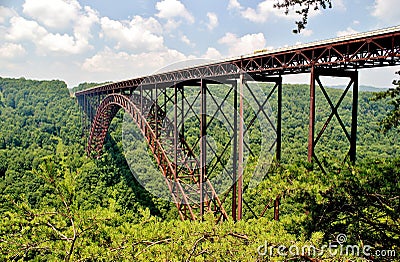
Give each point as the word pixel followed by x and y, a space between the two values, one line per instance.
pixel 150 244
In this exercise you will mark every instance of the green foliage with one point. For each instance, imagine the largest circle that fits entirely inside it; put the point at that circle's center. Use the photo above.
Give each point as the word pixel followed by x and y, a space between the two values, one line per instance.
pixel 392 119
pixel 57 204
pixel 363 202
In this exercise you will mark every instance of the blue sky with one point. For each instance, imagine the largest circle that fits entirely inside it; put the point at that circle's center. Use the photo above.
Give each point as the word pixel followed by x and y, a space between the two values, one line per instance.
pixel 110 40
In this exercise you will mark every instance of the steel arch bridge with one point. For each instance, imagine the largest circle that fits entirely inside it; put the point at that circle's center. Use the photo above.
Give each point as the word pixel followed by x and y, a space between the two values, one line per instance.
pixel 151 100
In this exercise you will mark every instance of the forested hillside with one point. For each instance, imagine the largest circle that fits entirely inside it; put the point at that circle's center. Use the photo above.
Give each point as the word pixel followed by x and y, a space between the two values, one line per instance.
pixel 58 204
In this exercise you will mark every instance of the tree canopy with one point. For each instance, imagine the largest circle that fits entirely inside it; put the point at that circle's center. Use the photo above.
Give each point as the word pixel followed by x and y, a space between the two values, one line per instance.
pixel 302 7
pixel 392 119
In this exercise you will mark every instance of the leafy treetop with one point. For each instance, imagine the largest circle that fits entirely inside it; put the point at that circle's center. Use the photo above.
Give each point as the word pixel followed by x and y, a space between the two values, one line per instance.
pixel 392 119
pixel 303 9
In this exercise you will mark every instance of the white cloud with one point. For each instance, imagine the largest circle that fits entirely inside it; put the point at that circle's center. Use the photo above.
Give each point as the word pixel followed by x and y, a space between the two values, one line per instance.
pixel 171 24
pixel 261 14
pixel 5 14
pixel 22 29
pixel 67 15
pixel 339 5
pixel 57 14
pixel 243 45
pixel 170 9
pixel 27 30
pixel 212 20
pixel 265 10
pixel 116 63
pixel 212 53
pixel 139 34
pixel 186 40
pixel 233 4
pixel 11 50
pixel 306 32
pixel 84 23
pixel 348 31
pixel 64 44
pixel 387 10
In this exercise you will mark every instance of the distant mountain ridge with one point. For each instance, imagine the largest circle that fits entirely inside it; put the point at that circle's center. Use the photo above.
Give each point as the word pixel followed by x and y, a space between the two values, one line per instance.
pixel 362 88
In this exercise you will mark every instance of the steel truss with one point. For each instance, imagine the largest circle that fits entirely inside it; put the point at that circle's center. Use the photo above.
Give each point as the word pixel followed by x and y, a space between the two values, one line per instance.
pixel 191 165
pixel 350 136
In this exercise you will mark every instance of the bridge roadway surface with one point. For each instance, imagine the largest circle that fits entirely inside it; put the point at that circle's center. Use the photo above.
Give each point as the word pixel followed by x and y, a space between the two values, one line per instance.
pixel 365 50
pixel 339 57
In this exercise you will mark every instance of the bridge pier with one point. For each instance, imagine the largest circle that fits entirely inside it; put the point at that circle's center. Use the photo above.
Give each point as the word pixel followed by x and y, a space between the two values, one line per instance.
pixel 238 188
pixel 203 142
pixel 240 147
pixel 315 80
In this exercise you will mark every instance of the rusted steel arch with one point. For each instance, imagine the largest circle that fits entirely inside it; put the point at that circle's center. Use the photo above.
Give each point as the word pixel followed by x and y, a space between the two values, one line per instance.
pixel 179 180
pixel 100 124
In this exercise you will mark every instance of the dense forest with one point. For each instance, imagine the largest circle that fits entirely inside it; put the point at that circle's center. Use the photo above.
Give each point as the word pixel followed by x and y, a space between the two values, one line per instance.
pixel 58 204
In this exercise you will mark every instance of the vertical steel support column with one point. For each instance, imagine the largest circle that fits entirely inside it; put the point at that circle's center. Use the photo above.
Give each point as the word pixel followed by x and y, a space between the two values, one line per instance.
pixel 235 153
pixel 84 119
pixel 176 129
pixel 203 146
pixel 151 95
pixel 156 111
pixel 353 136
pixel 152 100
pixel 87 121
pixel 89 113
pixel 89 110
pixel 240 147
pixel 279 123
pixel 312 117
pixel 165 100
pixel 98 100
pixel 183 111
pixel 141 105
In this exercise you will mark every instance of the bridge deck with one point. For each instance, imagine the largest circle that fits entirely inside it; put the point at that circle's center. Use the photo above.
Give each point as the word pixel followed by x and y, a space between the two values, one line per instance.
pixel 365 50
